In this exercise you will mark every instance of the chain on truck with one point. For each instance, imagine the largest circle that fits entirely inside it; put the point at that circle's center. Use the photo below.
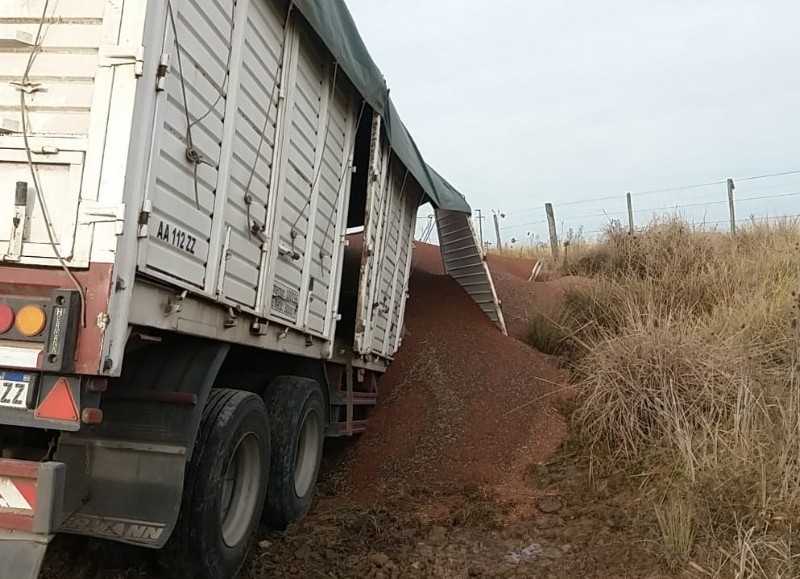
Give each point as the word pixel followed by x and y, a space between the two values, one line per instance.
pixel 183 316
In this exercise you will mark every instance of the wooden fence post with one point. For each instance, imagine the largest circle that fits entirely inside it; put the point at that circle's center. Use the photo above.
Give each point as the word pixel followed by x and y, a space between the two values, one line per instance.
pixel 630 214
pixel 732 207
pixel 497 232
pixel 551 224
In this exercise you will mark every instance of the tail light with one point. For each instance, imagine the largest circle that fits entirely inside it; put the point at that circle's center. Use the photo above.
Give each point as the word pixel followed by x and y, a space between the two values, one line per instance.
pixel 30 320
pixel 51 321
pixel 6 318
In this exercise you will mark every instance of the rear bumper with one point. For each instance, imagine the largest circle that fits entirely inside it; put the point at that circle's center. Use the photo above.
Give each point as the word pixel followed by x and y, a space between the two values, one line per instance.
pixel 31 496
pixel 31 499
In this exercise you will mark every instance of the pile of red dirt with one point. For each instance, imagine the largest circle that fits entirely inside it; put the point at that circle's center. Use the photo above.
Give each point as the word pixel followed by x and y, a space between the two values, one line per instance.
pixel 462 406
pixel 516 266
pixel 521 298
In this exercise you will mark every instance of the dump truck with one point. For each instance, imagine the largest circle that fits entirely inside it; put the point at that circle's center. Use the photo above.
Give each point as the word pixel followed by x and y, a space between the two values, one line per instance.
pixel 182 322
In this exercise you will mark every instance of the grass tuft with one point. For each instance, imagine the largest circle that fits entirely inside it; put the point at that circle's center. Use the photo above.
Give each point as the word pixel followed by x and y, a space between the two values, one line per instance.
pixel 547 332
pixel 675 522
pixel 690 377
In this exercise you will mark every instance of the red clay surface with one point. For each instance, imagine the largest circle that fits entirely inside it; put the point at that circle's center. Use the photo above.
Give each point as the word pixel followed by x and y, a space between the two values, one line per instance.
pixel 522 298
pixel 516 266
pixel 462 406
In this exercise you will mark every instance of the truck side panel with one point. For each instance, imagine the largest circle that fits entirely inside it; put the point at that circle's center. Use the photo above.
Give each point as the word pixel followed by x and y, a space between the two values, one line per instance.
pixel 251 155
pixel 246 192
pixel 186 156
pixel 312 191
pixel 392 201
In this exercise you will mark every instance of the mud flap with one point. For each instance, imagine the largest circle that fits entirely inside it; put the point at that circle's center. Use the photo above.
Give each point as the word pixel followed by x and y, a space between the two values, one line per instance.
pixel 31 496
pixel 125 477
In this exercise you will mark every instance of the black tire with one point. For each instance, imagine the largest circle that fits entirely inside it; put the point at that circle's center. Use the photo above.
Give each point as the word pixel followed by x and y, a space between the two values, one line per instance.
pixel 293 404
pixel 220 509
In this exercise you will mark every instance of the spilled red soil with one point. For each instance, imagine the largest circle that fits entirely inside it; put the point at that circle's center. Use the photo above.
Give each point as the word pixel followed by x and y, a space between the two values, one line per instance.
pixel 462 406
pixel 457 474
pixel 522 298
pixel 516 266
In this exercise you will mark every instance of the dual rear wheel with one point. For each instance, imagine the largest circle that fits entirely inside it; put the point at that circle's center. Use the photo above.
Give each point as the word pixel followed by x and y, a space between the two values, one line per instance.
pixel 254 459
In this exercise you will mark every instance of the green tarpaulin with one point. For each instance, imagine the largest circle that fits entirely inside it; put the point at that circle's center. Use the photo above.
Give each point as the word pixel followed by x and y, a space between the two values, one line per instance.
pixel 332 21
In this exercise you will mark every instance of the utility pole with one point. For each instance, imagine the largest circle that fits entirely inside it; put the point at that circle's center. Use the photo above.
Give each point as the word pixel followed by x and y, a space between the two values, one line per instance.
pixel 731 207
pixel 480 219
pixel 497 231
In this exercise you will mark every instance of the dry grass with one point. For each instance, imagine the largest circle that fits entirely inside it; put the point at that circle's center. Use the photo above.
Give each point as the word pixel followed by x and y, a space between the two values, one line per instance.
pixel 676 524
pixel 690 376
pixel 548 332
pixel 573 247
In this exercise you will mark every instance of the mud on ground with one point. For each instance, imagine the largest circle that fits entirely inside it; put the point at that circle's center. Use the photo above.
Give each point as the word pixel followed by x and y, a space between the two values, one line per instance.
pixel 574 532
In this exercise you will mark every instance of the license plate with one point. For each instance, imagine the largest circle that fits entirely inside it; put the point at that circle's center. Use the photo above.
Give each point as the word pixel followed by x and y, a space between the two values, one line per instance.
pixel 14 389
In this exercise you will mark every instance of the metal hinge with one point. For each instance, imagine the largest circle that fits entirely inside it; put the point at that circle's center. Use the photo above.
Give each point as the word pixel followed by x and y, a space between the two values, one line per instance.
pixel 285 250
pixel 161 72
pixel 174 303
pixel 9 126
pixel 115 55
pixel 18 223
pixel 11 37
pixel 90 213
pixel 144 218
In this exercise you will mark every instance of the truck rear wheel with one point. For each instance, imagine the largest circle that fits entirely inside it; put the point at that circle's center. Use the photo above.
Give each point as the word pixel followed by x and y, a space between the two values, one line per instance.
pixel 296 409
pixel 224 489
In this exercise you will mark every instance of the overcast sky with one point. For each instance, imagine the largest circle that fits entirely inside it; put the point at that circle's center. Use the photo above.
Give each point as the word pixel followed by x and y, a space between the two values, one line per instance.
pixel 522 102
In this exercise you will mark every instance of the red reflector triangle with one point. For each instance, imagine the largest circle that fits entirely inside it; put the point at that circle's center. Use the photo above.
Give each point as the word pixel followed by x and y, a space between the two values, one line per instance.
pixel 58 404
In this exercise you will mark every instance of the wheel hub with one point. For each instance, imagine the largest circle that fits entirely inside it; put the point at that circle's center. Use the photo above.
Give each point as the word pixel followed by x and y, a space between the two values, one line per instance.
pixel 240 490
pixel 306 458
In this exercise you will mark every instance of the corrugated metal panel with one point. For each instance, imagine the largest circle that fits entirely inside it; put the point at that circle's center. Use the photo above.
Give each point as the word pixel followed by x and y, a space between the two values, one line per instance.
pixel 274 126
pixel 66 65
pixel 402 269
pixel 297 171
pixel 66 106
pixel 251 153
pixel 312 192
pixel 182 192
pixel 374 221
pixel 464 262
pixel 391 212
pixel 330 210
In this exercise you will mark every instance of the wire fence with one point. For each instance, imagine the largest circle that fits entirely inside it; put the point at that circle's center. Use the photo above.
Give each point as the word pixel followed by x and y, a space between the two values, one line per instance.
pixel 722 204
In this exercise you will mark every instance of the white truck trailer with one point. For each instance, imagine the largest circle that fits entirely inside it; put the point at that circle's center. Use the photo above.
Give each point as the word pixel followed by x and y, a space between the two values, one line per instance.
pixel 179 327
